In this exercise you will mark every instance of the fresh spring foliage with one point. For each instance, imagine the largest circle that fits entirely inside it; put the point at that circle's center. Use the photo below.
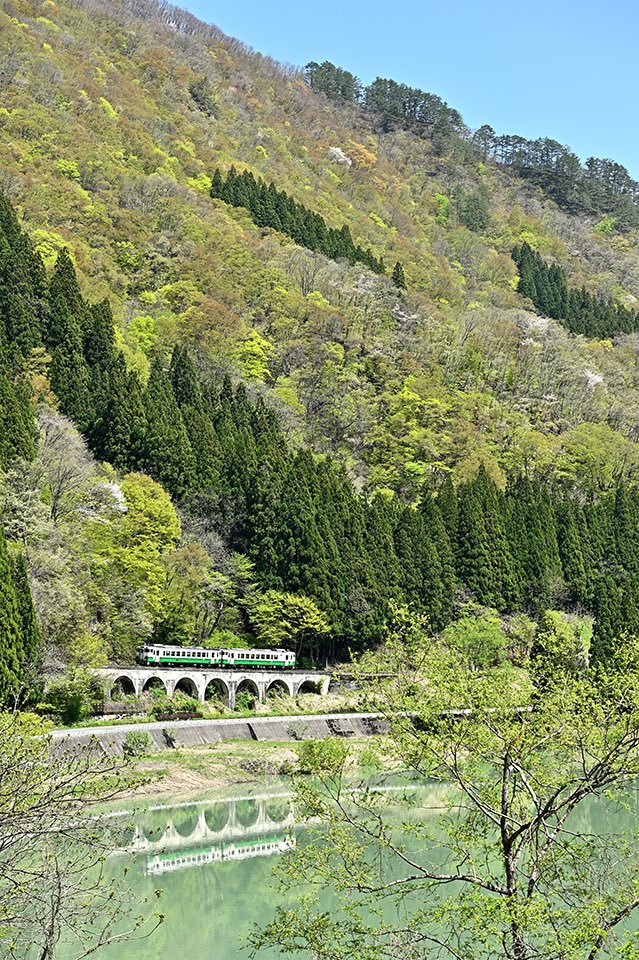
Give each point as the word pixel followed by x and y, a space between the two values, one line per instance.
pixel 523 846
pixel 296 517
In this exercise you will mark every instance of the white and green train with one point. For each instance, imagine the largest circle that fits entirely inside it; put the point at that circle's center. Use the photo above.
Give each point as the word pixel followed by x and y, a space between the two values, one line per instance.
pixel 158 655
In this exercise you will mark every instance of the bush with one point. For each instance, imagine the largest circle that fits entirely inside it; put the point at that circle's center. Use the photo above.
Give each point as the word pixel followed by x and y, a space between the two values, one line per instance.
pixel 185 704
pixel 74 697
pixel 160 703
pixel 137 743
pixel 326 757
pixel 479 640
pixel 181 703
pixel 245 700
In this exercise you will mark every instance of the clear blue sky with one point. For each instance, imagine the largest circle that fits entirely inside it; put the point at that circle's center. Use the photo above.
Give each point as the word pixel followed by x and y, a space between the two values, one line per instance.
pixel 566 69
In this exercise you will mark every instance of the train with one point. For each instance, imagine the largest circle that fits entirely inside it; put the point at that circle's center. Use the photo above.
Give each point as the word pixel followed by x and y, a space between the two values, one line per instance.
pixel 161 655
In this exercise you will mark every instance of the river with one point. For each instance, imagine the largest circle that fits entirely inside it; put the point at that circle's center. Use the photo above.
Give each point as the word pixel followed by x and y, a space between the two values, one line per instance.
pixel 213 858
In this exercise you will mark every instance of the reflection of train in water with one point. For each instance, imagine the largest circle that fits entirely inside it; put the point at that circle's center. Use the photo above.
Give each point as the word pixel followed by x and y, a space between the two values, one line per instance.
pixel 169 861
pixel 159 655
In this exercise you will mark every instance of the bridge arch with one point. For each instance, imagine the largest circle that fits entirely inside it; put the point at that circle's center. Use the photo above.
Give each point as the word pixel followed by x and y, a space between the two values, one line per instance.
pixel 307 686
pixel 217 817
pixel 154 683
pixel 217 689
pixel 248 686
pixel 186 827
pixel 186 685
pixel 278 686
pixel 247 812
pixel 123 685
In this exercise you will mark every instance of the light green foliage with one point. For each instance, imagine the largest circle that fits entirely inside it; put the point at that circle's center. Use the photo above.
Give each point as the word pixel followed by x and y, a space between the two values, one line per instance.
pixel 443 208
pixel 562 640
pixel 74 697
pixel 244 701
pixel 137 743
pixel 606 226
pixel 287 620
pixel 87 651
pixel 129 550
pixel 253 356
pixel 181 702
pixel 138 220
pixel 142 332
pixel 594 454
pixel 479 641
pixel 520 632
pixel 108 107
pixel 508 857
pixel 322 757
pixel 226 638
pixel 202 604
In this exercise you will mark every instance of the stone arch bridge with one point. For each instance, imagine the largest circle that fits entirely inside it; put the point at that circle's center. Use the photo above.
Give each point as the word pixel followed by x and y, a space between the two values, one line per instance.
pixel 208 684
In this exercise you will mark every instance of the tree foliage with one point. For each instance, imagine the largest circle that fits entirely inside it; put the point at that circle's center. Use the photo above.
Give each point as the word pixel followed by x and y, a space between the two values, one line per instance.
pixel 510 858
pixel 52 847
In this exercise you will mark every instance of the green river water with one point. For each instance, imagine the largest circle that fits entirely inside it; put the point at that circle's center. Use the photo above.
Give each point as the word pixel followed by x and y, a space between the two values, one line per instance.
pixel 214 859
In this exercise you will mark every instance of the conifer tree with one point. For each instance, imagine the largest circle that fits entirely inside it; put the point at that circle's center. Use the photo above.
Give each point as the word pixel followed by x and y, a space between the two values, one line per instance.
pixel 11 650
pixel 447 506
pixel 30 639
pixel 572 553
pixel 609 620
pixel 398 277
pixel 166 453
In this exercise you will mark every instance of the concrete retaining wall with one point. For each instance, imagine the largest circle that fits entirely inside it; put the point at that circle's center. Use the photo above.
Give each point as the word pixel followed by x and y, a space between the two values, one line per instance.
pixel 188 733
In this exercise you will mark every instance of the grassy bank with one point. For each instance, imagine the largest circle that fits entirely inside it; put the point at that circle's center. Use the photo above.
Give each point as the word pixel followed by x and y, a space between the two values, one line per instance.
pixel 275 706
pixel 214 766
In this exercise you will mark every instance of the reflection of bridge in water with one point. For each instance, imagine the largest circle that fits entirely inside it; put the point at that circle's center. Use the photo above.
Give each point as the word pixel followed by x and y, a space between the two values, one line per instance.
pixel 218 853
pixel 219 821
pixel 213 832
pixel 196 833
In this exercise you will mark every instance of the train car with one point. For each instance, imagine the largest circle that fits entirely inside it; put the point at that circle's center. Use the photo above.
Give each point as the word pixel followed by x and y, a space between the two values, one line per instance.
pixel 160 655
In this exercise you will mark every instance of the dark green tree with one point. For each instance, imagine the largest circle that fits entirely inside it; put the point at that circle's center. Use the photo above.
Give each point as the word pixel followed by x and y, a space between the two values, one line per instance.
pixel 398 277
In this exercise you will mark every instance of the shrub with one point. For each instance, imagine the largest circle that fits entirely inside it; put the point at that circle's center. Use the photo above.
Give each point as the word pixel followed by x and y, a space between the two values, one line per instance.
pixel 137 743
pixel 245 700
pixel 322 756
pixel 74 697
pixel 183 703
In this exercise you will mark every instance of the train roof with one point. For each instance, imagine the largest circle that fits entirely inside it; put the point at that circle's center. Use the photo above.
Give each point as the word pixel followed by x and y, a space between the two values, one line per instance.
pixel 201 646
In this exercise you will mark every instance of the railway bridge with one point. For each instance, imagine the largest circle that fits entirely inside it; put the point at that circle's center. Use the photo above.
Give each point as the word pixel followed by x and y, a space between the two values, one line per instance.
pixel 210 684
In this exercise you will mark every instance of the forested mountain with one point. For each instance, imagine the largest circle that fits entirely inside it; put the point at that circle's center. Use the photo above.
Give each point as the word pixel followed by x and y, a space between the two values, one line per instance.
pixel 277 349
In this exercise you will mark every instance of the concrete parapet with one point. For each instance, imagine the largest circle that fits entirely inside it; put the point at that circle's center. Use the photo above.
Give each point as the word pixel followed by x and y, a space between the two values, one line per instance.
pixel 186 733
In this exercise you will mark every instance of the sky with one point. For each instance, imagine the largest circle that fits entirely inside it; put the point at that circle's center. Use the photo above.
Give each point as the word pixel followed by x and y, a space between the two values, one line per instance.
pixel 565 69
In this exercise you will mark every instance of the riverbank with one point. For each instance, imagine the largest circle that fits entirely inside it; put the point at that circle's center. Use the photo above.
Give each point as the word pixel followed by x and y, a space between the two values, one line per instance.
pixel 195 771
pixel 193 756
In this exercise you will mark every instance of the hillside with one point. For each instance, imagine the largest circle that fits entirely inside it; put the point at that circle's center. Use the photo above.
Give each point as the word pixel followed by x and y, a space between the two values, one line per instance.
pixel 479 450
pixel 400 388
